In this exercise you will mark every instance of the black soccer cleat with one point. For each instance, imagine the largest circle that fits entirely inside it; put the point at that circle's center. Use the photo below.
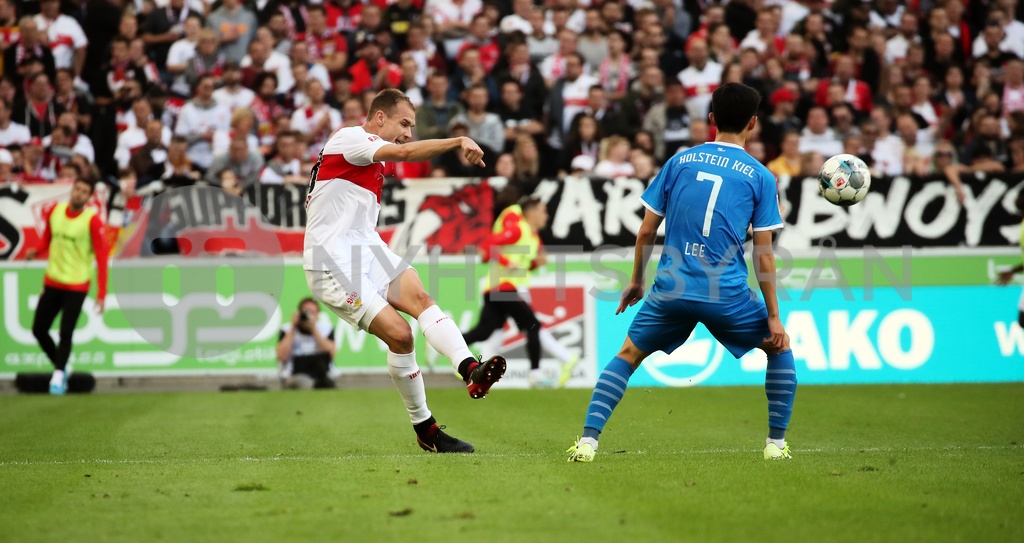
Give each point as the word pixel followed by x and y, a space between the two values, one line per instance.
pixel 437 441
pixel 483 375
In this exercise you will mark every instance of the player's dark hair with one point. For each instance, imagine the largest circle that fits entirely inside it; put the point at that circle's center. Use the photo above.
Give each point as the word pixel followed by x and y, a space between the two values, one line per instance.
pixel 529 202
pixel 307 300
pixel 87 182
pixel 734 104
pixel 387 101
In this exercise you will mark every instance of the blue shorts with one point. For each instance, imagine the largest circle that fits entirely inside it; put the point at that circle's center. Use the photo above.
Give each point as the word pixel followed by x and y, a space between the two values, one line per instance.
pixel 663 325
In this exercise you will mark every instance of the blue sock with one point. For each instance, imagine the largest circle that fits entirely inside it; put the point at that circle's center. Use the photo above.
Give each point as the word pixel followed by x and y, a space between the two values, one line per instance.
pixel 608 391
pixel 780 387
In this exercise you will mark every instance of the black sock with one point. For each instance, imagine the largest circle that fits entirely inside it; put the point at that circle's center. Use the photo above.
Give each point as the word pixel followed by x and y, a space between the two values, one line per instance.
pixel 423 428
pixel 464 368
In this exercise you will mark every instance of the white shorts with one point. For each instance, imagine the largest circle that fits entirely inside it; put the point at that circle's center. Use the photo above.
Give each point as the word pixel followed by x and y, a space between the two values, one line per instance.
pixel 357 290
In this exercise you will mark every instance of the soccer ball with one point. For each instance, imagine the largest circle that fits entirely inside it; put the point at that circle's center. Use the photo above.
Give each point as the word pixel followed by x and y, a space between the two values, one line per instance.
pixel 844 180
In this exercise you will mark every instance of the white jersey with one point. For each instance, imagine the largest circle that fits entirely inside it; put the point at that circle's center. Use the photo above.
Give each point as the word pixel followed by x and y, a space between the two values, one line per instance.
pixel 699 84
pixel 343 202
pixel 65 35
pixel 14 134
pixel 242 99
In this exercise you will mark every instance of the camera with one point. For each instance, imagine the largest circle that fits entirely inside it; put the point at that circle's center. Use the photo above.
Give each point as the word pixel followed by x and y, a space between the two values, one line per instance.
pixel 305 317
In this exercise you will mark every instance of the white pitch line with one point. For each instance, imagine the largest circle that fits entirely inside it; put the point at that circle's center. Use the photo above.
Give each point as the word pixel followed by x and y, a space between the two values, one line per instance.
pixel 288 458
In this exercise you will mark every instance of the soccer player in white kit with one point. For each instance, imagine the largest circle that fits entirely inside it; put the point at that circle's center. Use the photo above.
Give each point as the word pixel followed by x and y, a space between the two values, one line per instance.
pixel 353 272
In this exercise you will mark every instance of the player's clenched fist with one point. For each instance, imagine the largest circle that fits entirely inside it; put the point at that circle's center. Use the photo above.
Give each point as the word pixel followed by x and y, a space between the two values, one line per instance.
pixel 473 153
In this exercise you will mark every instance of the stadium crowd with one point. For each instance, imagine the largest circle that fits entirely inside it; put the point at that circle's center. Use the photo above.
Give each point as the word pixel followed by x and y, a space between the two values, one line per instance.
pixel 162 93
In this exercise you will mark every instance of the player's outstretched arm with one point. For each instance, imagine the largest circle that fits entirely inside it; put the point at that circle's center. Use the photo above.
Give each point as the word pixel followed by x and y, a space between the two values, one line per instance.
pixel 634 292
pixel 764 270
pixel 418 151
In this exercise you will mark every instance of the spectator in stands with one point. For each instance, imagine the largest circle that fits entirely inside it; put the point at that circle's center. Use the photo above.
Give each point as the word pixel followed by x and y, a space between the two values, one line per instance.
pixel 1013 87
pixel 70 99
pixel 265 107
pixel 373 72
pixel 66 38
pixel 886 16
pixel 917 145
pixel 305 349
pixel 519 19
pixel 6 166
pixel 300 57
pixel 554 67
pixel 33 45
pixel 609 115
pixel 886 148
pixel 37 111
pixel 528 166
pixel 149 162
pixel 699 79
pixel 616 70
pixel 181 54
pixel 646 91
pixel 614 159
pixel 455 164
pixel 428 57
pixel 517 116
pixel 789 162
pixel 163 27
pixel 38 164
pixel 243 162
pixel 843 121
pixel 907 33
pixel 134 135
pixel 285 167
pixel 400 17
pixel 858 93
pixel 326 45
pixel 782 119
pixel 584 139
pixel 261 59
pixel 236 28
pixel 669 122
pixel 480 38
pixel 593 43
pixel 943 158
pixel 568 98
pixel 522 70
pixel 764 38
pixel 232 94
pixel 179 171
pixel 811 163
pixel 817 136
pixel 316 119
pixel 987 142
pixel 485 128
pixel 242 126
pixel 644 168
pixel 78 144
pixel 11 133
pixel 539 41
pixel 207 60
pixel 198 121
pixel 110 82
pixel 353 112
pixel 1016 155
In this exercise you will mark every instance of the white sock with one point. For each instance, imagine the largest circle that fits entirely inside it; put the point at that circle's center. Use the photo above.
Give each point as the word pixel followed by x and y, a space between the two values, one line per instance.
pixel 780 443
pixel 494 342
pixel 592 441
pixel 443 335
pixel 408 379
pixel 553 347
pixel 57 378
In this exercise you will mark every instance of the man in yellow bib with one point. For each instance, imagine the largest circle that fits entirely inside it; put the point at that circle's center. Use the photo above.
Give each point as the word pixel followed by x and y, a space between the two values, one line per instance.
pixel 515 249
pixel 74 237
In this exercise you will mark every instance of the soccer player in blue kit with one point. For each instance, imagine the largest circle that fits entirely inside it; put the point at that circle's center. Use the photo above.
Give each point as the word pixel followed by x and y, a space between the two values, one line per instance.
pixel 709 195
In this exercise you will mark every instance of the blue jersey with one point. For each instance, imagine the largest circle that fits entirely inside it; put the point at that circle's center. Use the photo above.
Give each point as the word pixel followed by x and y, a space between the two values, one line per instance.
pixel 709 195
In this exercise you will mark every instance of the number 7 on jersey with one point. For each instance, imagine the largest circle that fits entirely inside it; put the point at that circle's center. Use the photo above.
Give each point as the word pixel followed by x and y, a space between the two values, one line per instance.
pixel 717 180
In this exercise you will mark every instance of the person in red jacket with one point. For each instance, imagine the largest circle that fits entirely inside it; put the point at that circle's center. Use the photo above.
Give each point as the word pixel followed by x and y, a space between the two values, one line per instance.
pixel 73 238
pixel 856 92
pixel 373 71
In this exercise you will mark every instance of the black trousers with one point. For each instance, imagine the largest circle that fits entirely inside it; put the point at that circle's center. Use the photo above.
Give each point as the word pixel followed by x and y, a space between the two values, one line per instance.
pixel 53 301
pixel 494 314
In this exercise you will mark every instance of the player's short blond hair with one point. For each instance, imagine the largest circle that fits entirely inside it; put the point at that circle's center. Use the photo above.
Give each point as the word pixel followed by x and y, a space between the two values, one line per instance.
pixel 387 101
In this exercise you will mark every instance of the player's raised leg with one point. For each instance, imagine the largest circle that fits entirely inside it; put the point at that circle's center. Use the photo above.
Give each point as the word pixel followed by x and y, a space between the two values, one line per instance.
pixel 405 373
pixel 407 295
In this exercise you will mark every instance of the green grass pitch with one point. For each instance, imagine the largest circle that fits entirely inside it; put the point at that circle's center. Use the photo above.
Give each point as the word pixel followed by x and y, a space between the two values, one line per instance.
pixel 879 463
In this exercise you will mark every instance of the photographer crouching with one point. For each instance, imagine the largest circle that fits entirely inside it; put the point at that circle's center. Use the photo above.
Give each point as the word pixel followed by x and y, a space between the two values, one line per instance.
pixel 305 350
